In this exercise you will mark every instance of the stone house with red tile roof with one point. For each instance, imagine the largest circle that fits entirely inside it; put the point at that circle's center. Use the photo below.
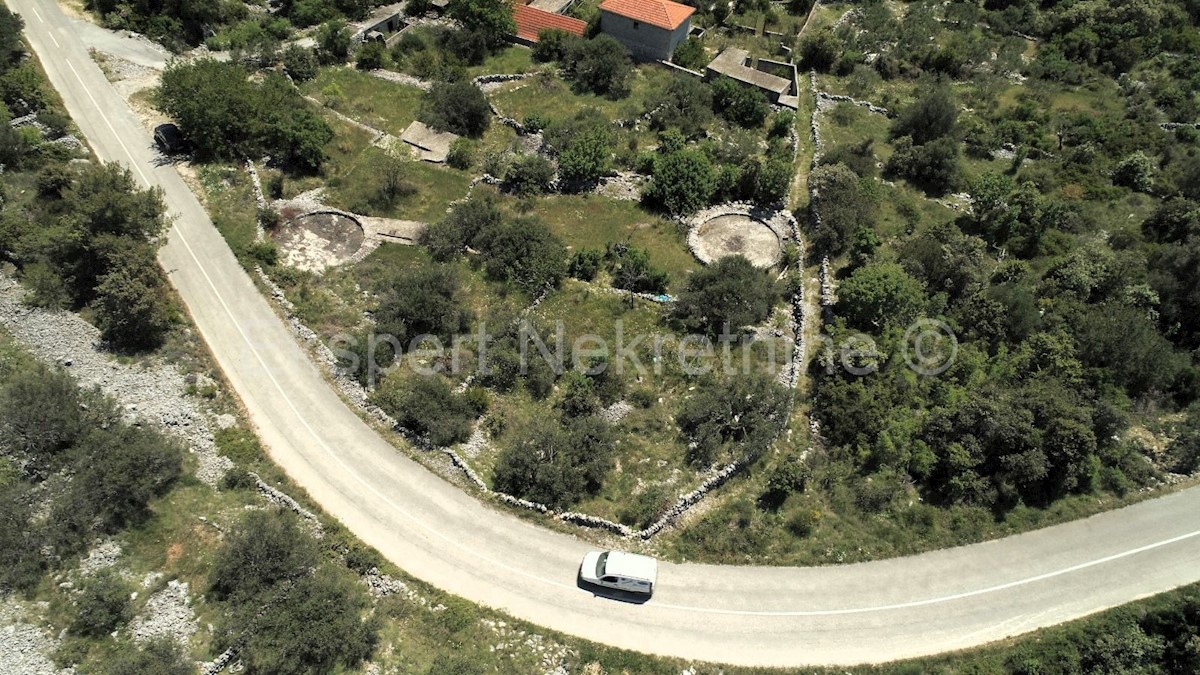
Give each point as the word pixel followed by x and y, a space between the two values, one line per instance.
pixel 650 29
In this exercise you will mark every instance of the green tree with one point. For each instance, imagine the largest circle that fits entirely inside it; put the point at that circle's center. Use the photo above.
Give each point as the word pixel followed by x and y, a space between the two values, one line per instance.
pixel 21 561
pixel 841 205
pixel 741 104
pixel 102 605
pixel 1135 172
pixel 466 219
pixel 213 103
pixel 458 107
pixel 12 48
pixel 491 18
pixel 683 182
pixel 131 304
pixel 685 104
pixel 934 115
pixel 631 270
pixel 524 252
pixel 333 42
pixel 371 56
pixel 426 406
pixel 730 292
pixel 690 54
pixel 124 469
pixel 933 166
pixel 880 295
pixel 265 548
pixel 600 66
pixel 422 300
pixel 585 157
pixel 41 415
pixel 819 50
pixel 300 63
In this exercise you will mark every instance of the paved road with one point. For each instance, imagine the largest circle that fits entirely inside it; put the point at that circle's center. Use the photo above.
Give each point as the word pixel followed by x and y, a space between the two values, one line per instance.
pixel 868 612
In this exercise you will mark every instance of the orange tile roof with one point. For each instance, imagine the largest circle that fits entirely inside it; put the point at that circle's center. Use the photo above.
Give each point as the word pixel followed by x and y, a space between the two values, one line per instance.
pixel 531 21
pixel 661 13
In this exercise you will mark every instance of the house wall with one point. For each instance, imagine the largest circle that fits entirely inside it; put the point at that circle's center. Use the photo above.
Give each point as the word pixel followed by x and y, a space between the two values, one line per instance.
pixel 645 42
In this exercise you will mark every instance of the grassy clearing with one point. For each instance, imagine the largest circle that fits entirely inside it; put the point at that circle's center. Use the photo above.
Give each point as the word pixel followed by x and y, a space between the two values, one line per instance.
pixel 385 105
pixel 356 188
pixel 511 60
pixel 553 98
pixel 591 222
pixel 229 196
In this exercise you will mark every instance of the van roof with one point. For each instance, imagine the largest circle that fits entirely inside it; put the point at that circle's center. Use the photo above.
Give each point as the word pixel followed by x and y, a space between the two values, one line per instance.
pixel 631 565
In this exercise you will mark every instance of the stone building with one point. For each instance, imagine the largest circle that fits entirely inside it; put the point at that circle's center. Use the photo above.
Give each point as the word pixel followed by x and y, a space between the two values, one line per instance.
pixel 650 29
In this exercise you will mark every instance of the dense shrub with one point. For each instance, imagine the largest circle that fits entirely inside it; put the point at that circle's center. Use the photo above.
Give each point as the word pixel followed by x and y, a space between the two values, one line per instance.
pixel 102 604
pixel 556 466
pixel 265 548
pixel 458 107
pixel 529 174
pixel 736 417
pixel 428 407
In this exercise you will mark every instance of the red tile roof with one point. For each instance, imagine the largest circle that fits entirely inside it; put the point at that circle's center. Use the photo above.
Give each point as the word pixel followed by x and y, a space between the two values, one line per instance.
pixel 531 21
pixel 661 13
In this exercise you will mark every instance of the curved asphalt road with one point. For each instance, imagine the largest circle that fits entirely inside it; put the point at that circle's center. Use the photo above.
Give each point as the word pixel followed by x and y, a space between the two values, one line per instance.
pixel 869 612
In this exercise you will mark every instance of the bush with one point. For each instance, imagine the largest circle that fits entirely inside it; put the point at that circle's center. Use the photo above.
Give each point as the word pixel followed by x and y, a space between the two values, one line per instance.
pixel 333 42
pixel 556 466
pixel 102 605
pixel 457 107
pixel 742 413
pixel 631 270
pixel 159 656
pixel 300 63
pixel 427 406
pixel 372 55
pixel 125 468
pixel 934 166
pixel 585 264
pixel 555 45
pixel 690 54
pixel 1135 172
pixel 421 300
pixel 933 116
pixel 743 105
pixel 462 154
pixel 819 50
pixel 316 625
pixel 265 548
pixel 530 174
pixel 132 311
pixel 685 104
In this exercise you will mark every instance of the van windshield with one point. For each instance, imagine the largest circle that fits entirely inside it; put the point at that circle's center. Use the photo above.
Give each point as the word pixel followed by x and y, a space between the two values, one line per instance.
pixel 600 564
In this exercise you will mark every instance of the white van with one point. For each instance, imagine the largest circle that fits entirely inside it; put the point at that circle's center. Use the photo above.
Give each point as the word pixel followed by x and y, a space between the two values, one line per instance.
pixel 622 571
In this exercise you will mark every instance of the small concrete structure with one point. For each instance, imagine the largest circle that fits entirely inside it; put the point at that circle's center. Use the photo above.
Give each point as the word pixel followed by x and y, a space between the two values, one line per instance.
pixel 430 145
pixel 383 23
pixel 732 63
pixel 649 29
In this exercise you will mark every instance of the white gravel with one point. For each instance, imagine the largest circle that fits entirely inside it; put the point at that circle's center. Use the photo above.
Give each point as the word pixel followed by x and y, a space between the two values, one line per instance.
pixel 152 391
pixel 167 614
pixel 24 648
